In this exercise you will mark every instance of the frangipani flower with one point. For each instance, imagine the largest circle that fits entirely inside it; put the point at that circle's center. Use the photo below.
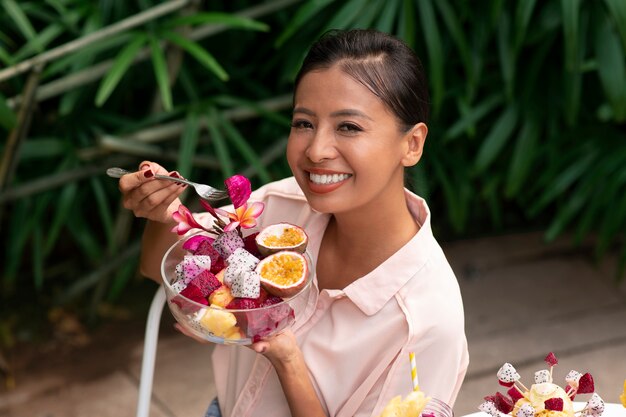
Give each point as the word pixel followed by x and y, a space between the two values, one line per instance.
pixel 244 216
pixel 239 190
pixel 185 221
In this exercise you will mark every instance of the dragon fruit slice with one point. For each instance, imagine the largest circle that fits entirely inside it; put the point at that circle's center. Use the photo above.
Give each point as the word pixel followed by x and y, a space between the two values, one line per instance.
pixel 515 394
pixel 206 283
pixel 193 243
pixel 250 245
pixel 503 404
pixel 242 259
pixel 585 384
pixel 227 243
pixel 191 266
pixel 525 410
pixel 490 408
pixel 551 360
pixel 507 375
pixel 595 406
pixel 206 248
pixel 542 376
pixel 246 284
pixel 572 378
pixel 554 404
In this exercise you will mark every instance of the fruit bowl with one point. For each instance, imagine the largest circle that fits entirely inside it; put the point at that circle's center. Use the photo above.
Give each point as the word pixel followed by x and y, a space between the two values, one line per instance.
pixel 264 316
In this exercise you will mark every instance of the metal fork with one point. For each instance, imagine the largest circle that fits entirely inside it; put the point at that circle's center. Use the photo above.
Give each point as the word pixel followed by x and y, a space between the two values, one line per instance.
pixel 204 191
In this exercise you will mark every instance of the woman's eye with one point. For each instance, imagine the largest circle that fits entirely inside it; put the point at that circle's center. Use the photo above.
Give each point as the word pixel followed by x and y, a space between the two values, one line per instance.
pixel 301 124
pixel 349 128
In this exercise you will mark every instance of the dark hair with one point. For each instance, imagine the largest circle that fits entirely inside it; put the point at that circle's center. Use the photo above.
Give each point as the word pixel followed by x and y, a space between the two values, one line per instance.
pixel 384 64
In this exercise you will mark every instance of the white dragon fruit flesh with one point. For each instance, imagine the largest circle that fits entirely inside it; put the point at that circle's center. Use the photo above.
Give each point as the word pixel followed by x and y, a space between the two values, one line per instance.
pixel 525 410
pixel 508 374
pixel 542 376
pixel 572 378
pixel 190 267
pixel 246 284
pixel 595 406
pixel 227 243
pixel 240 261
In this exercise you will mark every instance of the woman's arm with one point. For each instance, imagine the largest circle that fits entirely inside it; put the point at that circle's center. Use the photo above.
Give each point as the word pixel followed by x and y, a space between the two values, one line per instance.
pixel 293 374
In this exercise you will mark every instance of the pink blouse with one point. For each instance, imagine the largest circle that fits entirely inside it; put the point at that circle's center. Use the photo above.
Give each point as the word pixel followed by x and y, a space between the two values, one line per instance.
pixel 356 341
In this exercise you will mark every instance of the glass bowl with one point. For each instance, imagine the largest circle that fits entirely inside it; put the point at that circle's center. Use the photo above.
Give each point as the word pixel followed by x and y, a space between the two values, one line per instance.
pixel 229 326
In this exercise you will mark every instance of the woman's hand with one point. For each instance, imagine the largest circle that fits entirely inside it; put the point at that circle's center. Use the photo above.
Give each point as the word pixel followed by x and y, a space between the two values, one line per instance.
pixel 280 349
pixel 150 197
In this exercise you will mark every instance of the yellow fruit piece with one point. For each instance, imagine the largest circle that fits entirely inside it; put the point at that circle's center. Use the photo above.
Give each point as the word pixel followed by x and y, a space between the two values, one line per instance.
pixel 220 323
pixel 622 397
pixel 412 405
pixel 289 237
pixel 221 297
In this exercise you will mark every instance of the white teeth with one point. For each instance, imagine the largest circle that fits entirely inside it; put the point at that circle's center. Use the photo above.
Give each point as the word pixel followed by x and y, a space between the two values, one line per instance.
pixel 328 179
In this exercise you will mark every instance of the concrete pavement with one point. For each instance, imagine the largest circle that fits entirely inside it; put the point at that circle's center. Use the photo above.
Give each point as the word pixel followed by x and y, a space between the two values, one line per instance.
pixel 522 299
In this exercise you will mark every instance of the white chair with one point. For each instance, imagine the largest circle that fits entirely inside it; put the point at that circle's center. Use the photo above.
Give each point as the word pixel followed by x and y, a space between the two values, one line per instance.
pixel 149 353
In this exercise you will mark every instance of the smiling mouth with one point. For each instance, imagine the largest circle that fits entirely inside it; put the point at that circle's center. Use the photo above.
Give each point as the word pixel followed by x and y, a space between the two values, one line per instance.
pixel 327 179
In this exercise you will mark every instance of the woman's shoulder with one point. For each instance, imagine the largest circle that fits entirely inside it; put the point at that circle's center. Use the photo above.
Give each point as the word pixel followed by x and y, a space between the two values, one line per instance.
pixel 286 188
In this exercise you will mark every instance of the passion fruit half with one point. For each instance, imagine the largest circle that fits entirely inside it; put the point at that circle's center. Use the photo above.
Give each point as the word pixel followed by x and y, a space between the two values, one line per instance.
pixel 283 273
pixel 281 236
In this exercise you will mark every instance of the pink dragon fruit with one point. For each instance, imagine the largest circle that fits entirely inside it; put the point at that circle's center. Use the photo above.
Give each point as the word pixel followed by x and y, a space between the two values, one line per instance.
pixel 217 262
pixel 191 266
pixel 227 242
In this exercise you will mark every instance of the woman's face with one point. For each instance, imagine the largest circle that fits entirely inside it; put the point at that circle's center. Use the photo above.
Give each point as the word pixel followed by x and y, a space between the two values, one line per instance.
pixel 345 148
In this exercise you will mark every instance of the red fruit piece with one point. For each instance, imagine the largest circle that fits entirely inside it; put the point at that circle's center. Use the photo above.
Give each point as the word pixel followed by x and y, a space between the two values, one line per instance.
pixel 491 398
pixel 506 384
pixel 551 359
pixel 192 243
pixel 206 283
pixel 243 303
pixel 249 244
pixel 585 384
pixel 515 394
pixel 206 248
pixel 554 404
pixel 193 293
pixel 503 404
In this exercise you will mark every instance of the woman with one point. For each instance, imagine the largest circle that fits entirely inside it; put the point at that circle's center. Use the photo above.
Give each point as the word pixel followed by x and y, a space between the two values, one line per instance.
pixel 384 286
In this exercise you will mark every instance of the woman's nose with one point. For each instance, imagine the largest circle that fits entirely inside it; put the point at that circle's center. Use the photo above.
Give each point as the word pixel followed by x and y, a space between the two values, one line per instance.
pixel 321 147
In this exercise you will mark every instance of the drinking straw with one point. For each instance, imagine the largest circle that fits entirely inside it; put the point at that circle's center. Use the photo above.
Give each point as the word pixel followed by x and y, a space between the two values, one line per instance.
pixel 416 386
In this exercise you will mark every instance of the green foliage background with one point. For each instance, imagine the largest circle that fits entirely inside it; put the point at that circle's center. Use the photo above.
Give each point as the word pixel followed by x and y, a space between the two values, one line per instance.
pixel 527 131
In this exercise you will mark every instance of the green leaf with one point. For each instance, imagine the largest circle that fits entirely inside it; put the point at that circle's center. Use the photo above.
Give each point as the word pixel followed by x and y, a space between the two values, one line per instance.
pixel 565 215
pixel 63 207
pixel 457 32
pixel 435 53
pixel 344 18
pixel 245 150
pixel 120 280
pixel 613 224
pixel 5 57
pixel 612 69
pixel 617 9
pixel 160 72
pixel 202 55
pixel 233 101
pixel 122 62
pixel 106 217
pixel 388 16
pixel 523 156
pixel 506 54
pixel 21 21
pixel 230 20
pixel 303 16
pixel 406 28
pixel 219 144
pixel 40 41
pixel 523 14
pixel 561 182
pixel 188 144
pixel 570 10
pixel 8 119
pixel 473 116
pixel 38 259
pixel 496 139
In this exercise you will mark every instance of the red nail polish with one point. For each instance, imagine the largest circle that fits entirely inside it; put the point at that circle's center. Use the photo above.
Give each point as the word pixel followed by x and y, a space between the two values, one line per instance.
pixel 148 173
pixel 174 175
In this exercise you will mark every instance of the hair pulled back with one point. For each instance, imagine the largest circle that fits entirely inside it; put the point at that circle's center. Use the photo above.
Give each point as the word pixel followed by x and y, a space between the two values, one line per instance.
pixel 379 61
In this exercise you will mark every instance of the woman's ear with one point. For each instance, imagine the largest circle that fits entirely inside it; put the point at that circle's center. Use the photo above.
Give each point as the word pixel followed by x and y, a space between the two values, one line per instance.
pixel 415 139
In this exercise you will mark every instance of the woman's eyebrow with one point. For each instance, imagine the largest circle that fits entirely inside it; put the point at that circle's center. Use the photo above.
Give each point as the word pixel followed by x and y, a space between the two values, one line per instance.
pixel 350 112
pixel 303 110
